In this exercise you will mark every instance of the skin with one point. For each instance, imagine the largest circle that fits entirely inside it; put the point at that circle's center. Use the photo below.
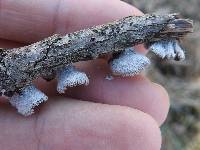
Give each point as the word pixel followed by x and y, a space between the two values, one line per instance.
pixel 122 114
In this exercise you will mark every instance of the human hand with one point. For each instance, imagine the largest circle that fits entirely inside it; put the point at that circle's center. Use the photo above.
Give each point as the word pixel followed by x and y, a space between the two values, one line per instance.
pixel 123 114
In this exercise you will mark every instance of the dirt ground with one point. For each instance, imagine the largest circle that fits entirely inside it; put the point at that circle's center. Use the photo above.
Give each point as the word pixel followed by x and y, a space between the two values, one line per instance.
pixel 182 80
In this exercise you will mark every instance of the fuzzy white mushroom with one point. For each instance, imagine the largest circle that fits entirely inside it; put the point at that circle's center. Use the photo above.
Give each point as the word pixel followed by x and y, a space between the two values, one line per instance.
pixel 70 77
pixel 28 98
pixel 169 49
pixel 129 63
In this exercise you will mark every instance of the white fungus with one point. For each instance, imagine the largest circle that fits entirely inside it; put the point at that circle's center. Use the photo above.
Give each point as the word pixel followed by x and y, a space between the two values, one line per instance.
pixel 29 98
pixel 169 49
pixel 70 77
pixel 129 63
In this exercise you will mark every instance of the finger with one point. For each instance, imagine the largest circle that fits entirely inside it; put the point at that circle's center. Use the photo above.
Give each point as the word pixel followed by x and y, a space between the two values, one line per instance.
pixel 28 21
pixel 9 44
pixel 136 92
pixel 78 125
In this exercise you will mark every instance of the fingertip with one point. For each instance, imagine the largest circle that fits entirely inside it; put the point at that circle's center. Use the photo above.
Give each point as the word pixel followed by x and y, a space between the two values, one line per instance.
pixel 148 127
pixel 165 103
pixel 139 129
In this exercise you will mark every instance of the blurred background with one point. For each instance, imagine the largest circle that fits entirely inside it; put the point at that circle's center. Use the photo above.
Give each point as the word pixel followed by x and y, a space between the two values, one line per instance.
pixel 181 131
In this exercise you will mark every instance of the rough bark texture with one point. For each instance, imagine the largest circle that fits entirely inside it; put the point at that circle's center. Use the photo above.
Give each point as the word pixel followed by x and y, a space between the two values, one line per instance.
pixel 20 66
